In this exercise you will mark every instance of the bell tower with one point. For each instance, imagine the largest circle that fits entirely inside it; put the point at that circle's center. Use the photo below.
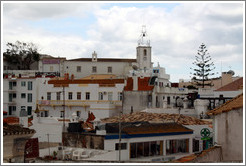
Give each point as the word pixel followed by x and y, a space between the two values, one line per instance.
pixel 144 51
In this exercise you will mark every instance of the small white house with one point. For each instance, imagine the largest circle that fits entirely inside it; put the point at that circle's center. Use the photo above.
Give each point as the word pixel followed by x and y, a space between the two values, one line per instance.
pixel 150 142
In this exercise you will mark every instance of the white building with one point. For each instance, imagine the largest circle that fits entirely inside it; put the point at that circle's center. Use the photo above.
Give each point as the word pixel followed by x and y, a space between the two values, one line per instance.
pixel 82 67
pixel 102 97
pixel 228 129
pixel 19 96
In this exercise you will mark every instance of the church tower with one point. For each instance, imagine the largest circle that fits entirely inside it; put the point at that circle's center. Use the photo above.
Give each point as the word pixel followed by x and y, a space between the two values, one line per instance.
pixel 144 51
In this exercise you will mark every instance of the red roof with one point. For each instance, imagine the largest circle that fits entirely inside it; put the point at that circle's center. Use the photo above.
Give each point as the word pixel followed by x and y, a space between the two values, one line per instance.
pixel 143 84
pixel 11 120
pixel 233 86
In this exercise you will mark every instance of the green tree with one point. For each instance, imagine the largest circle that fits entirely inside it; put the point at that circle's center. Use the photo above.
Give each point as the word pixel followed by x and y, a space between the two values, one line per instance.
pixel 21 54
pixel 203 67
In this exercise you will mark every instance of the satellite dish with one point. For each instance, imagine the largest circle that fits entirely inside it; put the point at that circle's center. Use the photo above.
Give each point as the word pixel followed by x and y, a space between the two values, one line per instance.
pixel 231 72
pixel 134 67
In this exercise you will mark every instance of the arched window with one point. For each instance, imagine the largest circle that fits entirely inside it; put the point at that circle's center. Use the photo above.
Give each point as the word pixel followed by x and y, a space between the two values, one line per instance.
pixel 145 54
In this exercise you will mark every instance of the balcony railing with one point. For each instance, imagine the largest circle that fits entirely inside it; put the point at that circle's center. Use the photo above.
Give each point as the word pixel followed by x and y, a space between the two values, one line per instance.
pixel 77 102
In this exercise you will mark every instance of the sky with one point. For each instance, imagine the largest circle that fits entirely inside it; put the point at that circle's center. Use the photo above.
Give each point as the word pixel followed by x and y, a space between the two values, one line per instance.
pixel 176 30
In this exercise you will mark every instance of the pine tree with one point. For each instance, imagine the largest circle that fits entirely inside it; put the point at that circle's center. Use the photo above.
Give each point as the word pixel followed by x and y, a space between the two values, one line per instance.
pixel 203 68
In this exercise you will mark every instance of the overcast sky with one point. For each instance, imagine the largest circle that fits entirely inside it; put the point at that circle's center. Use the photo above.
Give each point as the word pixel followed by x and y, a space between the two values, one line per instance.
pixel 176 30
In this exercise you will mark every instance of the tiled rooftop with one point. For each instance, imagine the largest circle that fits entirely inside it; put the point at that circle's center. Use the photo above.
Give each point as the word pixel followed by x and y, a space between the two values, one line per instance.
pixel 155 128
pixel 157 117
pixel 16 130
pixel 232 104
pixel 233 86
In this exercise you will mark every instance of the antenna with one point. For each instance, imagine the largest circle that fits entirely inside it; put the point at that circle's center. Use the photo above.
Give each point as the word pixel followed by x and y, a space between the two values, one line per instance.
pixel 221 72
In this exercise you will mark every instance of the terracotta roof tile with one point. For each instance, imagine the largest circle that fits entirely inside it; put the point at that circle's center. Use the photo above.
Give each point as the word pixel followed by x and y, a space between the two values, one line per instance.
pixel 157 117
pixel 233 86
pixel 190 158
pixel 232 104
pixel 155 128
pixel 16 130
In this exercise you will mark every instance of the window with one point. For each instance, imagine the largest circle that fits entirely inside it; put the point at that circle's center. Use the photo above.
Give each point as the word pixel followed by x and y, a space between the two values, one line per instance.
pixel 58 95
pixel 11 109
pixel 29 97
pixel 78 68
pixel 48 95
pixel 120 96
pixel 78 95
pixel 123 146
pixel 100 96
pixel 195 145
pixel 110 96
pixel 29 84
pixel 44 114
pixel 62 114
pixel 145 55
pixel 78 113
pixel 70 95
pixel 144 149
pixel 87 95
pixel 155 70
pixel 94 69
pixel 177 146
pixel 12 96
pixel 11 85
pixel 145 52
pixel 29 110
pixel 23 95
pixel 109 69
pixel 23 83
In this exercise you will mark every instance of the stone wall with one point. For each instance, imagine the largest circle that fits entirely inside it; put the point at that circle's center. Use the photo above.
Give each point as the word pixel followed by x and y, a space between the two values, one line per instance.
pixel 82 140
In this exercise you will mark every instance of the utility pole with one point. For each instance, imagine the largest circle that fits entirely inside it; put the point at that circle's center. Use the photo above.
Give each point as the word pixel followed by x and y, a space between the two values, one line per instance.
pixel 48 142
pixel 64 128
pixel 120 127
pixel 63 91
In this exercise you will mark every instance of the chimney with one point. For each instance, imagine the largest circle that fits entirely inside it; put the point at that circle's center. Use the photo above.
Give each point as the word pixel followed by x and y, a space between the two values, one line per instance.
pixel 135 83
pixel 94 56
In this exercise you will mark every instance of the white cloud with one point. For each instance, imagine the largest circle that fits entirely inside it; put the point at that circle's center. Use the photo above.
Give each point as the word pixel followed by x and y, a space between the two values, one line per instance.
pixel 175 35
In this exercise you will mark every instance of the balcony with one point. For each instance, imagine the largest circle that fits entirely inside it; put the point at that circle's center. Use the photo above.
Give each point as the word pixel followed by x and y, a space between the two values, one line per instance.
pixel 77 103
